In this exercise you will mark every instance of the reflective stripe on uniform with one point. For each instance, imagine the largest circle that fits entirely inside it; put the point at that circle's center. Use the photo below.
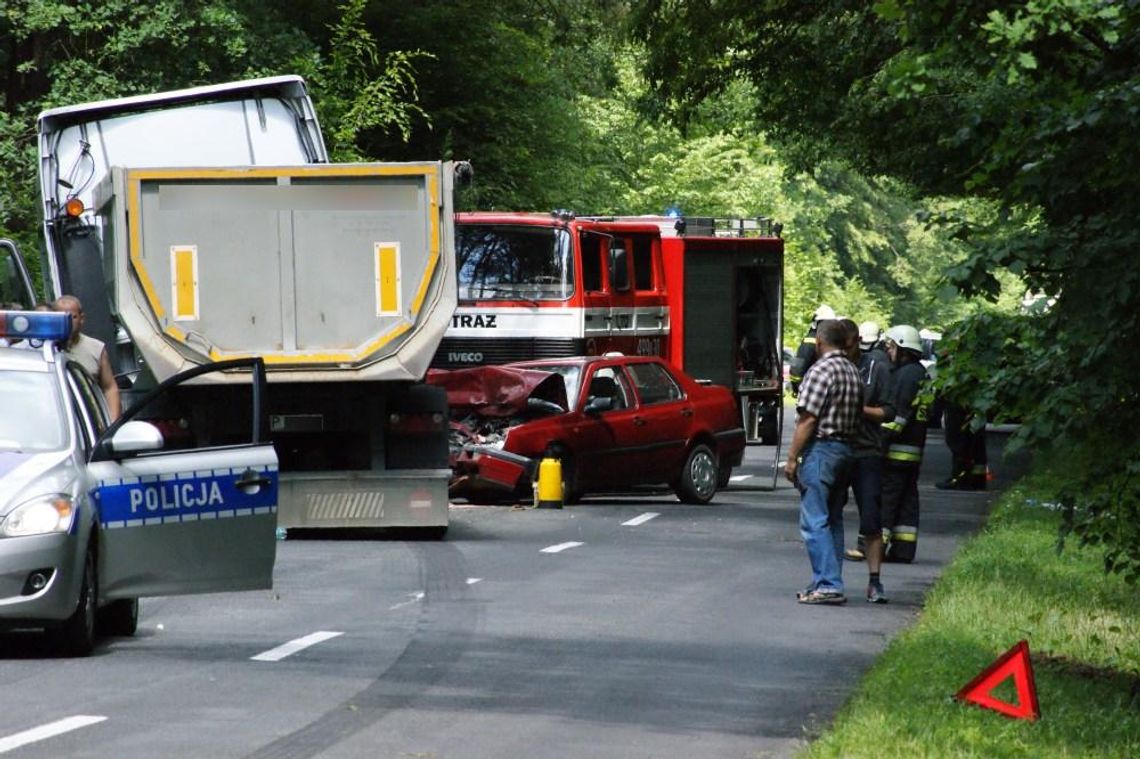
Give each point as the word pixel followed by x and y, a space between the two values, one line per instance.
pixel 899 452
pixel 809 340
pixel 904 534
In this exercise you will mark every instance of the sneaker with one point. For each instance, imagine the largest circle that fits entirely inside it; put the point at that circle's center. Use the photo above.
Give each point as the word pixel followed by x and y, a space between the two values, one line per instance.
pixel 853 554
pixel 876 594
pixel 829 597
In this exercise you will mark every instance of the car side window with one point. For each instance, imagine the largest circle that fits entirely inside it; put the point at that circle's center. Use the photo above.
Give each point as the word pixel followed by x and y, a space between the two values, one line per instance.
pixel 607 383
pixel 89 398
pixel 654 384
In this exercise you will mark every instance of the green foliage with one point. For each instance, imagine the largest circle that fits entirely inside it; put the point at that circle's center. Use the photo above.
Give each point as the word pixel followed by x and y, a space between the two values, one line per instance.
pixel 1005 585
pixel 358 90
pixel 1030 107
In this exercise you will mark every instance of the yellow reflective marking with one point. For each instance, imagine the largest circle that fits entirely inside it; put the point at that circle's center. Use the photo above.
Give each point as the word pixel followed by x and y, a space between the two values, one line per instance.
pixel 134 198
pixel 430 172
pixel 387 278
pixel 184 282
pixel 433 257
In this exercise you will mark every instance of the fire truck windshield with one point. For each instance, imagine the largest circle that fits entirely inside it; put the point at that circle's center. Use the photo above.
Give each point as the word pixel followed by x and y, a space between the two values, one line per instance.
pixel 514 262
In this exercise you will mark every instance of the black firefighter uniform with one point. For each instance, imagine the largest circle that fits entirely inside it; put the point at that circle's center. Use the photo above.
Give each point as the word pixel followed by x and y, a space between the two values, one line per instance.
pixel 906 438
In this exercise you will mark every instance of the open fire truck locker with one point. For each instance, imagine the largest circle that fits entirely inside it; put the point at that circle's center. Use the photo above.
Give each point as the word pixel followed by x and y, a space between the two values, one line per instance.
pixel 705 294
pixel 206 224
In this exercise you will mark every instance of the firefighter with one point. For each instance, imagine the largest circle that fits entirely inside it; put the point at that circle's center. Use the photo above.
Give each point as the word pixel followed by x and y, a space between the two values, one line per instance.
pixel 906 437
pixel 969 464
pixel 805 356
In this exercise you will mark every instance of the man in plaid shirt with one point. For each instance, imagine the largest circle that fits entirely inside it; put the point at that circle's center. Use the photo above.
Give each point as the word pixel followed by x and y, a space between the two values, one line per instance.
pixel 829 408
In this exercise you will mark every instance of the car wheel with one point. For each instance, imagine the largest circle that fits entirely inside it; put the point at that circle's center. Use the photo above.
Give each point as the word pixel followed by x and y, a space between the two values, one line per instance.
pixel 76 637
pixel 120 617
pixel 697 483
pixel 723 476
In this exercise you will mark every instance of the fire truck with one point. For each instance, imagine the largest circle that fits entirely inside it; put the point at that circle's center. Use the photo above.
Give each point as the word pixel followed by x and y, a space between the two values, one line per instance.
pixel 706 294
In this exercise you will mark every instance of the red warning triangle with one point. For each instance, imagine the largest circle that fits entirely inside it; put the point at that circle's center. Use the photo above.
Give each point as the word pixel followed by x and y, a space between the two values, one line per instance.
pixel 1014 662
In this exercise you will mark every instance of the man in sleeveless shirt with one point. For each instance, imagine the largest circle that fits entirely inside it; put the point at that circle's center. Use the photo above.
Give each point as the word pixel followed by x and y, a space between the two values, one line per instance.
pixel 91 354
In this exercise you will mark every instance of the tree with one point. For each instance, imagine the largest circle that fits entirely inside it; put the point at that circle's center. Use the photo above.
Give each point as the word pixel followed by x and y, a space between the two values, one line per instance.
pixel 1031 105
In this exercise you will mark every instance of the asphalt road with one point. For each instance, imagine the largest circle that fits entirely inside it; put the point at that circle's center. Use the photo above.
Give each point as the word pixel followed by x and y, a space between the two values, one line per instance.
pixel 629 626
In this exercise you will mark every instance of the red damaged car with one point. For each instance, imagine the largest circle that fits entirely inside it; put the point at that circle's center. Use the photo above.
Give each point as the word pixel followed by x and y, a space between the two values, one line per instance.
pixel 614 421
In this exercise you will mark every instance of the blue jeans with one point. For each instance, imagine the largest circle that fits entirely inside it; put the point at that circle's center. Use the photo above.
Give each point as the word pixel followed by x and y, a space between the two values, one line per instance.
pixel 822 479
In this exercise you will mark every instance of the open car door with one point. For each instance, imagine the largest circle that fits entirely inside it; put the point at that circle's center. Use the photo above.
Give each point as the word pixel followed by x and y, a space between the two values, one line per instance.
pixel 179 514
pixel 15 284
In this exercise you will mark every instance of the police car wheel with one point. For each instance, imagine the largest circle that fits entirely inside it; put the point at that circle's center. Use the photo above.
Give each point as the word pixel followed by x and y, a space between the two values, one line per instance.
pixel 120 617
pixel 76 637
pixel 697 483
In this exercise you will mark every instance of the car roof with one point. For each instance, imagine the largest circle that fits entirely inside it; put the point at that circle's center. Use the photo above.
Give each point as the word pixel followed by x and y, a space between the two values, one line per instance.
pixel 23 360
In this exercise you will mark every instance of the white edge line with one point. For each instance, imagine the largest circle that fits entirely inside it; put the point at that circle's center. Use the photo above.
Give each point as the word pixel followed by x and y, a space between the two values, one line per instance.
pixel 49 730
pixel 561 547
pixel 293 646
pixel 642 519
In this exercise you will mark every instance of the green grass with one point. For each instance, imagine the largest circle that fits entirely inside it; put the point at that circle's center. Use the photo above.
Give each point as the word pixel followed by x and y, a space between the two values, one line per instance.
pixel 1007 584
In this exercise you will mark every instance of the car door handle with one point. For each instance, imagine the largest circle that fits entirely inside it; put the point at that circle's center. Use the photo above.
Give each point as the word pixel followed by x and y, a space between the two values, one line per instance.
pixel 250 479
pixel 686 412
pixel 638 421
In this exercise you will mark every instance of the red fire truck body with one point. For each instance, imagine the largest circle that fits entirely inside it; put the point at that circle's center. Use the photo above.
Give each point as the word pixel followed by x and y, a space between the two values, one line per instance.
pixel 704 294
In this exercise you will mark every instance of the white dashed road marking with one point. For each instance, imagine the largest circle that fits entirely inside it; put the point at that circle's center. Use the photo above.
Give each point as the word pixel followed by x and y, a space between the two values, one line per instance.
pixel 640 519
pixel 739 477
pixel 473 580
pixel 49 730
pixel 293 646
pixel 415 599
pixel 561 547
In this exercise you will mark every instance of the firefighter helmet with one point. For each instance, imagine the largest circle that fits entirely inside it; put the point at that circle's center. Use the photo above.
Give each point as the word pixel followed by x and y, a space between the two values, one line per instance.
pixel 823 312
pixel 869 334
pixel 905 337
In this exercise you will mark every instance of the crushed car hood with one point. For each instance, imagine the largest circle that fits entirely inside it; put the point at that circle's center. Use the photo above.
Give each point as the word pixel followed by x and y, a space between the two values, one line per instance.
pixel 497 391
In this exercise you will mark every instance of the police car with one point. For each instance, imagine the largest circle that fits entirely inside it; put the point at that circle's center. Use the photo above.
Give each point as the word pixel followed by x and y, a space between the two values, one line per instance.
pixel 95 514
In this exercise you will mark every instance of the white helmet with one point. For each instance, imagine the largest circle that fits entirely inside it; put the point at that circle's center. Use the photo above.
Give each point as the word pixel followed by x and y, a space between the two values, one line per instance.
pixel 905 337
pixel 869 334
pixel 823 312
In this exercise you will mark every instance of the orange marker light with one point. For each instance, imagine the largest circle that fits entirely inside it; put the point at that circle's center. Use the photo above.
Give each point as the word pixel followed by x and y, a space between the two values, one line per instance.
pixel 74 207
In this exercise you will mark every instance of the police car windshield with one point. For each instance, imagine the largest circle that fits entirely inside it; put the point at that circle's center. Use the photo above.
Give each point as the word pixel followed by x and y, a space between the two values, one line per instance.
pixel 32 420
pixel 504 262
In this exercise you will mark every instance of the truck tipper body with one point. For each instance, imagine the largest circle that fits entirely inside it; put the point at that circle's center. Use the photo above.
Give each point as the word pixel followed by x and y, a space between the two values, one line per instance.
pixel 210 226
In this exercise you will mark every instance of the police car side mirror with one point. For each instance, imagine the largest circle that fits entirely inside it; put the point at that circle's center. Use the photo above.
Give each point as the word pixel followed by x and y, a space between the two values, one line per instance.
pixel 134 437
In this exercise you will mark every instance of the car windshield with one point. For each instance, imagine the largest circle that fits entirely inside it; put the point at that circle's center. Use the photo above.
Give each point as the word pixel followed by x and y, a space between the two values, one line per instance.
pixel 571 376
pixel 504 262
pixel 32 420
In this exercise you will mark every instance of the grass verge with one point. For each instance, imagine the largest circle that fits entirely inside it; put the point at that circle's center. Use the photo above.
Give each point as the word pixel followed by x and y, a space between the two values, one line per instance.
pixel 1007 584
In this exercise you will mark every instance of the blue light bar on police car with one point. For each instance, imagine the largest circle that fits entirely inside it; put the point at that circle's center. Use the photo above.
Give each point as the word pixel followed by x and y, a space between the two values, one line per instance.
pixel 35 325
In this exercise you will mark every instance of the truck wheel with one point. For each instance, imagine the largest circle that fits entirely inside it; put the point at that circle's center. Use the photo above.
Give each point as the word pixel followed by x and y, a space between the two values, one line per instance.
pixel 120 617
pixel 76 637
pixel 697 483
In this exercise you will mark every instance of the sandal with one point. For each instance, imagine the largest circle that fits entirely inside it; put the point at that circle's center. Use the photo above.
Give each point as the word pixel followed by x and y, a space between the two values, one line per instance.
pixel 829 597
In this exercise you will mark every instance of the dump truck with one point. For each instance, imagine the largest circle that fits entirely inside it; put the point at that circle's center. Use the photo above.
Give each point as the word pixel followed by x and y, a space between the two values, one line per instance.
pixel 206 224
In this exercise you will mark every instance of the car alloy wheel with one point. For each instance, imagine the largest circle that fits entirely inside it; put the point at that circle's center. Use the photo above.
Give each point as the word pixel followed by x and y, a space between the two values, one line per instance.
pixel 699 477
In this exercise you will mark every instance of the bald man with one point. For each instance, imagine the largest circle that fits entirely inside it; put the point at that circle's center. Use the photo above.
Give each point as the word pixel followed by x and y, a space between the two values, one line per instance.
pixel 91 354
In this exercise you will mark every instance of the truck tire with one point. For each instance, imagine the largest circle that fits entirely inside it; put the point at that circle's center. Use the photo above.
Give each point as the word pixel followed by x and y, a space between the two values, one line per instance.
pixel 697 483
